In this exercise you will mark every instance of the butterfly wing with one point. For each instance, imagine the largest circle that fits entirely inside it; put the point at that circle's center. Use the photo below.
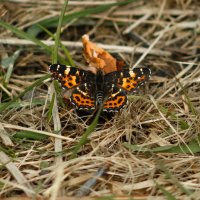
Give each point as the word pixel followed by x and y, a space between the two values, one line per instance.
pixel 131 80
pixel 82 99
pixel 119 82
pixel 116 100
pixel 69 77
pixel 83 82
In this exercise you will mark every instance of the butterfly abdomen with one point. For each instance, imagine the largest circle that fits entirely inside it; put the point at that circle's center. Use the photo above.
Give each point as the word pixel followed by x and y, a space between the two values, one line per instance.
pixel 99 97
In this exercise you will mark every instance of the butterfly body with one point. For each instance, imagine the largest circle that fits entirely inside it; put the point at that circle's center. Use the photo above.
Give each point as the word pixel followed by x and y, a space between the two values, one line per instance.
pixel 92 90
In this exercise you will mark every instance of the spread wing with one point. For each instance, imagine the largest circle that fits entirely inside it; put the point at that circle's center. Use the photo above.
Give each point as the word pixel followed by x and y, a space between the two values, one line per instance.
pixel 82 98
pixel 131 80
pixel 117 83
pixel 69 77
pixel 128 80
pixel 116 100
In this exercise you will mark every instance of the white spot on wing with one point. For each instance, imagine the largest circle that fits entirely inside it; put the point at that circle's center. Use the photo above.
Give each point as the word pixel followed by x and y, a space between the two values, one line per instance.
pixel 58 66
pixel 131 73
pixel 67 71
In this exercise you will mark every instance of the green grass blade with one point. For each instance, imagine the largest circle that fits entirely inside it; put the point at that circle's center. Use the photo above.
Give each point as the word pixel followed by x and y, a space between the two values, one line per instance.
pixel 89 130
pixel 25 35
pixel 35 84
pixel 29 135
pixel 51 108
pixel 53 21
pixel 187 100
pixel 9 151
pixel 29 37
pixel 168 195
pixel 55 57
pixel 33 102
pixel 67 54
pixel 57 39
pixel 106 198
pixel 8 63
pixel 60 98
pixel 192 147
pixel 70 60
pixel 174 180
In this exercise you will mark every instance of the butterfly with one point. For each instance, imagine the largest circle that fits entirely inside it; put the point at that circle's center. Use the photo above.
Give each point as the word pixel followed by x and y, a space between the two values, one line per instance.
pixel 91 90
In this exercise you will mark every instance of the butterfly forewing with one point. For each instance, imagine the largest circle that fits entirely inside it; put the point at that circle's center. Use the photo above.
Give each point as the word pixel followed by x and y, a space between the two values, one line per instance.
pixel 69 77
pixel 131 80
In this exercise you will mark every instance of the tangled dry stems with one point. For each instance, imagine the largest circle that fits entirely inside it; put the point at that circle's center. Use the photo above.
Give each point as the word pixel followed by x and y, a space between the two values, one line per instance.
pixel 166 113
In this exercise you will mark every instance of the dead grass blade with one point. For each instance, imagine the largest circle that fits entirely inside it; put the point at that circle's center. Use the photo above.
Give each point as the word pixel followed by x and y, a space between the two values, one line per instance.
pixel 67 54
pixel 20 178
pixel 10 126
pixel 131 144
pixel 35 84
pixel 84 138
pixel 8 63
pixel 28 37
pixel 85 189
pixel 53 22
pixel 111 48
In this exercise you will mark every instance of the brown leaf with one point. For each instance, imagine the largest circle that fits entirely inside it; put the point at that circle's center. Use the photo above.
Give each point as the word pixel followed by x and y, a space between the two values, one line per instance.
pixel 97 57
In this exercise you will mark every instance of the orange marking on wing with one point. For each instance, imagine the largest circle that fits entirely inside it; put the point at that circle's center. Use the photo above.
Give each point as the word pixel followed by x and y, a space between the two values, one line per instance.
pixel 81 100
pixel 142 78
pixel 129 83
pixel 69 81
pixel 116 102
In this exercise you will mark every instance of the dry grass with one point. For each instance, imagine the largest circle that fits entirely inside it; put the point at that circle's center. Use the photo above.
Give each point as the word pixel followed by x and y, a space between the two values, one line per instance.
pixel 148 150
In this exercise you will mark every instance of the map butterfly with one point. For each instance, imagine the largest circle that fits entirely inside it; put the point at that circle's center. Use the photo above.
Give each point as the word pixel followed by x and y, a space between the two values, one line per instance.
pixel 92 90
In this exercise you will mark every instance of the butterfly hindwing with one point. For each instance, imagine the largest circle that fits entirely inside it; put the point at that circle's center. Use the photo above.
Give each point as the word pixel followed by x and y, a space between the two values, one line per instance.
pixel 131 80
pixel 116 100
pixel 82 99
